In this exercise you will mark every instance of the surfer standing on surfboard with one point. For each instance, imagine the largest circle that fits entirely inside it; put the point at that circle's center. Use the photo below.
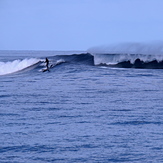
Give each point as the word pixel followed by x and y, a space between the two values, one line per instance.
pixel 47 63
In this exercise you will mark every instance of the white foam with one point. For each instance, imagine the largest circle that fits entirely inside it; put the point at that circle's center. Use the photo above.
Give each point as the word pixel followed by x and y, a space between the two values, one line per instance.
pixel 113 54
pixel 60 61
pixel 16 65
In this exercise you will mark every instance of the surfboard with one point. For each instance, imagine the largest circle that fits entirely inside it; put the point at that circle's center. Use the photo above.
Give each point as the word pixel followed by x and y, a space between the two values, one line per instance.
pixel 45 69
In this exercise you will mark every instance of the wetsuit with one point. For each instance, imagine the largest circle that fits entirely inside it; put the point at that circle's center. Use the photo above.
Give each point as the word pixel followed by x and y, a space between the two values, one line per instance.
pixel 47 63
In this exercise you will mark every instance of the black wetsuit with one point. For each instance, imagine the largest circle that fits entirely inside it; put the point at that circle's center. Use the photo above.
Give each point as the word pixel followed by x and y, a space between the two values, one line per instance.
pixel 47 63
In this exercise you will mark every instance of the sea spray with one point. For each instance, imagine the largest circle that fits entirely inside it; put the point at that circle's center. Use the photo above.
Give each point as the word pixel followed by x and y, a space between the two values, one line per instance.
pixel 152 48
pixel 113 54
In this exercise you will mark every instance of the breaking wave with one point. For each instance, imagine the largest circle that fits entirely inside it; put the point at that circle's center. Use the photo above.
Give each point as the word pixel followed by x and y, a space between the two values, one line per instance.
pixel 40 65
pixel 111 59
pixel 128 59
pixel 129 55
pixel 17 65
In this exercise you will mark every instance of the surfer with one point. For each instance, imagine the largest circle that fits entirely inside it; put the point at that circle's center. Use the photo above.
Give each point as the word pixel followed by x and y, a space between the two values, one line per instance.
pixel 47 63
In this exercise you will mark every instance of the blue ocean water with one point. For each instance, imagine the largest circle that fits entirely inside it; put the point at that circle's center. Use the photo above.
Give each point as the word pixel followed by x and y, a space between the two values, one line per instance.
pixel 79 111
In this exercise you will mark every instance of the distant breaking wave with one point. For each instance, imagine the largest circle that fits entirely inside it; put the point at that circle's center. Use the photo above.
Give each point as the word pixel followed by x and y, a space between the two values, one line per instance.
pixel 129 55
pixel 112 59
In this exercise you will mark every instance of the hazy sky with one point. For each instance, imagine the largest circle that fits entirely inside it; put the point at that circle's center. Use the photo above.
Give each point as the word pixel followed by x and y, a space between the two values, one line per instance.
pixel 77 24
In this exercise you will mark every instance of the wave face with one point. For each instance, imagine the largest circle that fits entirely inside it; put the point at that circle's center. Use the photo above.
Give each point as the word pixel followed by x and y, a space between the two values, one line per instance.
pixel 84 58
pixel 17 65
pixel 33 63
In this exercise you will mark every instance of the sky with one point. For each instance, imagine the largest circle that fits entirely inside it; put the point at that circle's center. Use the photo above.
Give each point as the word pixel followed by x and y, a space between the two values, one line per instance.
pixel 78 24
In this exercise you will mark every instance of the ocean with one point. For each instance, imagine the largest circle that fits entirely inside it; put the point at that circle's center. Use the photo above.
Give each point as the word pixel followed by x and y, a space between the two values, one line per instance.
pixel 89 107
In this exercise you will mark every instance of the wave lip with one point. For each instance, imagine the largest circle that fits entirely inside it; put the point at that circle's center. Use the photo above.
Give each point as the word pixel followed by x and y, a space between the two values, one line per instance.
pixel 17 65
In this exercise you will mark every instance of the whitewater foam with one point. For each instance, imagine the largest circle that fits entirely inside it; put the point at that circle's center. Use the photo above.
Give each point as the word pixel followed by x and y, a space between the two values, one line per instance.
pixel 111 59
pixel 113 54
pixel 16 65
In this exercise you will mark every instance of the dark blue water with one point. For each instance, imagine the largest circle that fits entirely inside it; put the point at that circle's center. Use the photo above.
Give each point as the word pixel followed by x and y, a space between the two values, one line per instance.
pixel 81 113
